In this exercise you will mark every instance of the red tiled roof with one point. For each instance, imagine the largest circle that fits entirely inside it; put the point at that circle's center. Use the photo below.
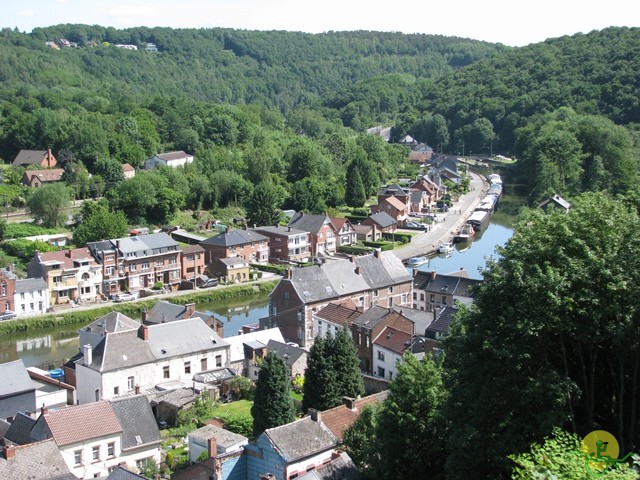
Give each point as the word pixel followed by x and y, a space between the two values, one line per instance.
pixel 51 175
pixel 82 422
pixel 168 156
pixel 396 203
pixel 192 249
pixel 127 168
pixel 393 339
pixel 338 419
pixel 63 257
pixel 338 222
pixel 340 314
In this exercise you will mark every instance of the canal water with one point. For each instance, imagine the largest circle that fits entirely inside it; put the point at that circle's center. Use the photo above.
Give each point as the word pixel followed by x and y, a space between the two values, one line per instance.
pixel 48 348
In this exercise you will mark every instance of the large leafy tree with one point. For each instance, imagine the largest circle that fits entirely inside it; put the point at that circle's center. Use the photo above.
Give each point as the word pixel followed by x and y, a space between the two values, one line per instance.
pixel 553 338
pixel 97 222
pixel 48 205
pixel 407 434
pixel 272 402
pixel 263 205
pixel 332 372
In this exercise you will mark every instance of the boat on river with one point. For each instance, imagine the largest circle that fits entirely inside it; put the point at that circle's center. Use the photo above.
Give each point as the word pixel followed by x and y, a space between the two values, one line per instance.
pixel 465 234
pixel 479 220
pixel 417 261
pixel 445 248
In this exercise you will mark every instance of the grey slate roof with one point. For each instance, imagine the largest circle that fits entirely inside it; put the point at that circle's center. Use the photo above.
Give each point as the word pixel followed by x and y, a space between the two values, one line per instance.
pixel 224 438
pixel 36 461
pixel 30 284
pixel 280 230
pixel 338 277
pixel 15 379
pixel 393 190
pixel 29 157
pixel 372 317
pixel 301 438
pixel 309 222
pixel 166 340
pixel 341 468
pixel 442 322
pixel 138 423
pixel 20 430
pixel 235 237
pixel 421 318
pixel 163 312
pixel 136 247
pixel 112 322
pixel 290 353
pixel 383 219
pixel 121 473
pixel 445 283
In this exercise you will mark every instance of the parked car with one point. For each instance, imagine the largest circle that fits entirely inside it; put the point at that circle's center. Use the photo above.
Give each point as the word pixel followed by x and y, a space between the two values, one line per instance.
pixel 123 297
pixel 8 314
pixel 212 282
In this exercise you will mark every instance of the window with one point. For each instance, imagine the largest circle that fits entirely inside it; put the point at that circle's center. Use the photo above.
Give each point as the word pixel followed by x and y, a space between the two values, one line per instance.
pixel 375 293
pixel 404 298
pixel 109 270
pixel 165 371
pixel 116 390
pixel 381 372
pixel 95 453
pixel 145 265
pixel 159 263
pixel 203 364
pixel 130 383
pixel 444 300
pixel 390 289
pixel 187 367
pixel 21 295
pixel 218 361
pixel 77 457
pixel 380 355
pixel 97 394
pixel 415 295
pixel 111 449
pixel 133 267
pixel 432 298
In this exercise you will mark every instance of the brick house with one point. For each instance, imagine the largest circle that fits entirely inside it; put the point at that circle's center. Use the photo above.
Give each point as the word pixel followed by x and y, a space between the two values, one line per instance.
pixel 192 261
pixel 287 244
pixel 397 208
pixel 434 291
pixel 375 279
pixel 322 232
pixel 33 158
pixel 7 290
pixel 249 245
pixel 430 191
pixel 38 178
pixel 368 326
pixel 382 221
pixel 135 263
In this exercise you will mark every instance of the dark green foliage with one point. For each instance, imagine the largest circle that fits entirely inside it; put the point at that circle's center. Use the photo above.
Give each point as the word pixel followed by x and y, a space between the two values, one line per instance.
pixel 263 205
pixel 95 222
pixel 332 372
pixel 243 387
pixel 557 316
pixel 26 249
pixel 48 204
pixel 355 194
pixel 272 403
pixel 407 434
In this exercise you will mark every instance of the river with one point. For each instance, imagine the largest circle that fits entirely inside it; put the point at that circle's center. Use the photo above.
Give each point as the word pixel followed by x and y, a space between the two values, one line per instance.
pixel 48 348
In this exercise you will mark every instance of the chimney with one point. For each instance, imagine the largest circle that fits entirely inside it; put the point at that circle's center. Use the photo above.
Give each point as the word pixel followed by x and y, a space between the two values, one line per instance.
pixel 357 270
pixel 212 447
pixel 352 258
pixel 44 410
pixel 144 333
pixel 67 253
pixel 315 414
pixel 189 309
pixel 137 390
pixel 433 275
pixel 376 253
pixel 349 402
pixel 288 274
pixel 87 352
pixel 288 228
pixel 49 158
pixel 9 452
pixel 144 315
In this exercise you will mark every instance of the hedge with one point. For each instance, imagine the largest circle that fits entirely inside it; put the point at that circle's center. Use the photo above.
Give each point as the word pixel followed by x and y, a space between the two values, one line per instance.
pixel 74 317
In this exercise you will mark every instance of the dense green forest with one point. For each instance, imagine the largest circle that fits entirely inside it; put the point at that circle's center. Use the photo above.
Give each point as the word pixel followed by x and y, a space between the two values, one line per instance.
pixel 278 120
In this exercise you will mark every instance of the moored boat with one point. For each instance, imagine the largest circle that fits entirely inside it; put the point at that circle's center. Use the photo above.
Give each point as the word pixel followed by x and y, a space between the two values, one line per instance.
pixel 417 261
pixel 445 248
pixel 479 220
pixel 464 234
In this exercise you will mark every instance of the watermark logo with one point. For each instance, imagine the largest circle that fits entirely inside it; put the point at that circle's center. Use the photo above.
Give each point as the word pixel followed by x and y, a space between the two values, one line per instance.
pixel 600 451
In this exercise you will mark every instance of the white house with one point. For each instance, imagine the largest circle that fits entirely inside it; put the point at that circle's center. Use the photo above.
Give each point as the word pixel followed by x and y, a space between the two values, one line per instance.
pixel 245 348
pixel 97 437
pixel 31 296
pixel 388 349
pixel 162 356
pixel 169 159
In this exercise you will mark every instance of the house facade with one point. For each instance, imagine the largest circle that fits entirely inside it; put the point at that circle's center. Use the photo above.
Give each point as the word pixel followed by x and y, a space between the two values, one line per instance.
pixel 192 262
pixel 322 233
pixel 7 290
pixel 31 296
pixel 382 221
pixel 38 178
pixel 334 317
pixel 375 279
pixel 346 234
pixel 287 244
pixel 388 348
pixel 249 245
pixel 168 159
pixel 138 262
pixel 230 270
pixel 69 275
pixel 125 361
pixel 435 291
pixel 396 208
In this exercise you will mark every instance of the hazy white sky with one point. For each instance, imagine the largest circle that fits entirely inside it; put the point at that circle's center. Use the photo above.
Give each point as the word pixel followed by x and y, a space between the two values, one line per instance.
pixel 511 22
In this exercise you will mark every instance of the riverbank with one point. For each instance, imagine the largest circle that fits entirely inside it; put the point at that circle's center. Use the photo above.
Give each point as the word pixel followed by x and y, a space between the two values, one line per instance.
pixel 427 243
pixel 86 314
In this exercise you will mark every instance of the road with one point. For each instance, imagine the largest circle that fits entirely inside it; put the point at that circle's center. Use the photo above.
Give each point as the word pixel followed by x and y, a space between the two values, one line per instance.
pixel 426 243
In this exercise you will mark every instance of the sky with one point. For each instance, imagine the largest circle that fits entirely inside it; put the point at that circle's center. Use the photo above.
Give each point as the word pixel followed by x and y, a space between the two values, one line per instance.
pixel 510 22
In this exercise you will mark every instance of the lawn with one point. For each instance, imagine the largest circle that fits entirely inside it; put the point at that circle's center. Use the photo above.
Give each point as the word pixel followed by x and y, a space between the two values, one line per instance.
pixel 240 407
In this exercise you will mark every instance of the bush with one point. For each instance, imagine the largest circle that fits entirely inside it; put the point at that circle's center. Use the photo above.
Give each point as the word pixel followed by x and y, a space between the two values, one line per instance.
pixel 297 384
pixel 243 387
pixel 157 286
pixel 26 249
